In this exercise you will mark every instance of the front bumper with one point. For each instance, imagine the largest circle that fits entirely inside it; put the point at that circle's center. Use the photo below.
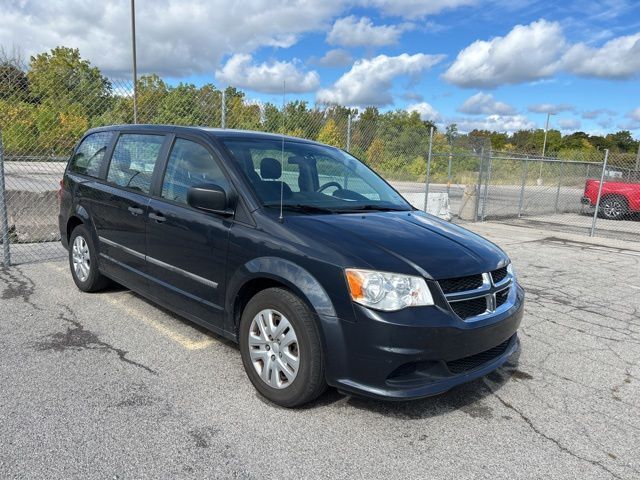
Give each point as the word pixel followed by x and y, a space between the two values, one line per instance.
pixel 395 357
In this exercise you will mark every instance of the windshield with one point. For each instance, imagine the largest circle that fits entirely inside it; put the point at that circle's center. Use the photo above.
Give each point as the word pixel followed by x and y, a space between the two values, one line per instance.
pixel 315 178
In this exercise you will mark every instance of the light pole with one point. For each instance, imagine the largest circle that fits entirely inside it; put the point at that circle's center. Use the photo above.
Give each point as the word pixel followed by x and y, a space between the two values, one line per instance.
pixel 546 129
pixel 135 65
pixel 544 147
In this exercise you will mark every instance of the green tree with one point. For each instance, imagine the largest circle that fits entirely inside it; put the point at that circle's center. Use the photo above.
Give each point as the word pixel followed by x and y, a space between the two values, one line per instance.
pixel 62 78
pixel 13 80
pixel 330 134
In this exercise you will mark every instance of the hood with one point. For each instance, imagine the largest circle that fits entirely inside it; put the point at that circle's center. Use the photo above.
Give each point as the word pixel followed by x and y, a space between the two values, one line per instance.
pixel 403 242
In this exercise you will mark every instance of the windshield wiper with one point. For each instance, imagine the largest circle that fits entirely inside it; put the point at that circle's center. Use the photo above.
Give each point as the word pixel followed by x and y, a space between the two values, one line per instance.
pixel 299 207
pixel 372 207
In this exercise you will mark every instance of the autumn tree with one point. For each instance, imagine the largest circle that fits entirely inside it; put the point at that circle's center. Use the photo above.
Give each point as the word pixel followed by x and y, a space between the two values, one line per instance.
pixel 330 134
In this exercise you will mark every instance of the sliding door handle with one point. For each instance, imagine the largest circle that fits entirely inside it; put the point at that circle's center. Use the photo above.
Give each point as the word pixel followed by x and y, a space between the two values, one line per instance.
pixel 158 217
pixel 135 211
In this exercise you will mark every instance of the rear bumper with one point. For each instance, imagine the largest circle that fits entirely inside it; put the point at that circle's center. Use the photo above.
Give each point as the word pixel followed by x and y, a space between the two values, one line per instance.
pixel 377 357
pixel 62 225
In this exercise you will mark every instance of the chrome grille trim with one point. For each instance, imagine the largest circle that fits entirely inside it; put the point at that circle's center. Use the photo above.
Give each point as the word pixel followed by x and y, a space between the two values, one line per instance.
pixel 488 290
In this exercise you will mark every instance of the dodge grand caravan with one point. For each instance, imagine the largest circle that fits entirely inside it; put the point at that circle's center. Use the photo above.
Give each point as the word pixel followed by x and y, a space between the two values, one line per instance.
pixel 297 251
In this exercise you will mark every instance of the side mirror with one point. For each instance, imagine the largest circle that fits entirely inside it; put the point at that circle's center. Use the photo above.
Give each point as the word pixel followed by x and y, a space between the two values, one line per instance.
pixel 209 197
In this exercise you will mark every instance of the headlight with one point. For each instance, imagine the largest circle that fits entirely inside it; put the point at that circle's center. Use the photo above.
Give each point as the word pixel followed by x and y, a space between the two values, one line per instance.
pixel 387 291
pixel 511 270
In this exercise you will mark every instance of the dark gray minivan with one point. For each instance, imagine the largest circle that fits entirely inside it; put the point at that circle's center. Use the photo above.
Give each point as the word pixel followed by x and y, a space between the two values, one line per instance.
pixel 296 250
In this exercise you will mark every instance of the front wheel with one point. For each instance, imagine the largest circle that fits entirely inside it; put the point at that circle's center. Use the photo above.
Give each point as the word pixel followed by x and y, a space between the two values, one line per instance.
pixel 281 349
pixel 613 208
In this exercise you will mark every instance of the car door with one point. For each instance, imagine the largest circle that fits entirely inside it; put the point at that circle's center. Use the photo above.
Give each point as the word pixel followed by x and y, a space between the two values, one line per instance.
pixel 121 204
pixel 187 248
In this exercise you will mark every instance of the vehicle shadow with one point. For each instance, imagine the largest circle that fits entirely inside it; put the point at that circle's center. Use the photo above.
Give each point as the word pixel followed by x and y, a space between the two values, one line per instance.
pixel 467 397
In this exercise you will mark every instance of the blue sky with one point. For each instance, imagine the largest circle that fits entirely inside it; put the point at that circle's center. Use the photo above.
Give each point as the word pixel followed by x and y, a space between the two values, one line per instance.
pixel 495 64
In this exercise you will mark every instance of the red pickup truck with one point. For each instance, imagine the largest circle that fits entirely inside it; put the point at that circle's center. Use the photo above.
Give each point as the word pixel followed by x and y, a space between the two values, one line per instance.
pixel 619 199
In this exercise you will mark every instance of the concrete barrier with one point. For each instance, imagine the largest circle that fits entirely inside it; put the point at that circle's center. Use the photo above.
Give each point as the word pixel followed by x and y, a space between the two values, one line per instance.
pixel 33 216
pixel 468 206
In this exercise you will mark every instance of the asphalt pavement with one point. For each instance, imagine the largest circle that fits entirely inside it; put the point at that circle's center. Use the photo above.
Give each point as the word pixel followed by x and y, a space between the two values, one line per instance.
pixel 108 385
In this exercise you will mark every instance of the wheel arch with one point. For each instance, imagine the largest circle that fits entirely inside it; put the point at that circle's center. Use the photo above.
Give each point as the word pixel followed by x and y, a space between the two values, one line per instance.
pixel 72 223
pixel 621 196
pixel 268 272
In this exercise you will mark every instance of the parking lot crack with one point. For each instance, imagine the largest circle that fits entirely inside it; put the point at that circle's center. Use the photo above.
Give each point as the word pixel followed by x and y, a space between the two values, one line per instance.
pixel 18 285
pixel 76 337
pixel 556 442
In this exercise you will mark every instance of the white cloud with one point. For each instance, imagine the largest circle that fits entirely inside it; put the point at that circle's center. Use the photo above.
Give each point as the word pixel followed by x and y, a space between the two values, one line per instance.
pixel 426 111
pixel 619 58
pixel 485 104
pixel 336 58
pixel 241 72
pixel 552 108
pixel 351 32
pixel 534 52
pixel 498 123
pixel 592 114
pixel 416 8
pixel 369 81
pixel 569 124
pixel 634 114
pixel 634 120
pixel 527 52
pixel 174 37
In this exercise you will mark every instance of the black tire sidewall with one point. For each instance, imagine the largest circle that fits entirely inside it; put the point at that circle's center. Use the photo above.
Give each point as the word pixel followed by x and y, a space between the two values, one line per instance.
pixel 94 278
pixel 303 322
pixel 613 199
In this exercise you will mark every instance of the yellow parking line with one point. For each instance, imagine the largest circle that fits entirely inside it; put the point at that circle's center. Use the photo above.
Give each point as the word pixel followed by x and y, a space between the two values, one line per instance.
pixel 117 300
pixel 177 337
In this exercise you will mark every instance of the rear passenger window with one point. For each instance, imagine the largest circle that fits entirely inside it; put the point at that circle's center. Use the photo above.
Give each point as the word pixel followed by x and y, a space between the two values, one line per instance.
pixel 189 164
pixel 90 153
pixel 133 160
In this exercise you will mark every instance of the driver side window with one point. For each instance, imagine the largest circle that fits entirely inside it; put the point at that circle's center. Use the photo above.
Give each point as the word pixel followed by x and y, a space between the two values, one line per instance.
pixel 190 164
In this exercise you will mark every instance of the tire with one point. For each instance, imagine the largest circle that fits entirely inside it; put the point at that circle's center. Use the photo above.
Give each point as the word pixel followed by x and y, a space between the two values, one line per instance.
pixel 613 207
pixel 83 263
pixel 269 363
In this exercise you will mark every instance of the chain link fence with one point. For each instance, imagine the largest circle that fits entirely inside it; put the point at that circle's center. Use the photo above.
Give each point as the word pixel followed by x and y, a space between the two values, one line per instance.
pixel 457 177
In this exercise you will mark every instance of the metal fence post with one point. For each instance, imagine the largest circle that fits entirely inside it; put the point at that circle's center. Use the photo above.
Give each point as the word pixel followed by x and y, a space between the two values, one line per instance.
pixel 428 177
pixel 522 187
pixel 349 132
pixel 449 171
pixel 559 185
pixel 595 213
pixel 486 187
pixel 479 186
pixel 4 217
pixel 223 110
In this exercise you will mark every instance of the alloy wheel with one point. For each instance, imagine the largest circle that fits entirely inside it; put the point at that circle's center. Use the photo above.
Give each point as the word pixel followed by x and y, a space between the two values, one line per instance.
pixel 81 258
pixel 274 349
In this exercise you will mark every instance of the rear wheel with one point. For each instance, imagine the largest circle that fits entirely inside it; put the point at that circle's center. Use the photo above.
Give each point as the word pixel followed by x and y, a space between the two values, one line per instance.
pixel 613 207
pixel 83 261
pixel 281 349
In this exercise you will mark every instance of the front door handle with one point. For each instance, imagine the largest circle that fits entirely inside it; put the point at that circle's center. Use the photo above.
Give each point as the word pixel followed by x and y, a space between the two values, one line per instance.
pixel 135 211
pixel 158 217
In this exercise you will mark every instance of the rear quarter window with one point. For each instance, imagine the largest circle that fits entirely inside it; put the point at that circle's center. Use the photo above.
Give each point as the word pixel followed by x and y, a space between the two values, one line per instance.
pixel 90 154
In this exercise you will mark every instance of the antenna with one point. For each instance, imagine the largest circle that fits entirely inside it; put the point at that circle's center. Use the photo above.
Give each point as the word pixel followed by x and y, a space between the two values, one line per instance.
pixel 284 90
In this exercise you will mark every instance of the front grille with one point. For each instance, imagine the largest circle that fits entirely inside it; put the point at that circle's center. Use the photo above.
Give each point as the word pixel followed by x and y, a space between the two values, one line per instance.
pixel 474 361
pixel 479 294
pixel 499 275
pixel 469 308
pixel 460 284
pixel 502 297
